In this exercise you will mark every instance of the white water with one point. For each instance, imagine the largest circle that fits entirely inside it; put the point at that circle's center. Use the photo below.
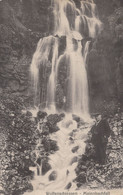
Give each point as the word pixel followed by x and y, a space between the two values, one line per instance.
pixel 61 161
pixel 78 84
pixel 75 24
pixel 52 79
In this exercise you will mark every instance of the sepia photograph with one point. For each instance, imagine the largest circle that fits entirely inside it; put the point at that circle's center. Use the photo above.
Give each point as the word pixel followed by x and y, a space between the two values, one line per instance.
pixel 61 97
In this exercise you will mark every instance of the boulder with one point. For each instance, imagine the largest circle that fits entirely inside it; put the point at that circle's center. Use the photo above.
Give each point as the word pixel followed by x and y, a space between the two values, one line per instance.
pixel 49 145
pixel 45 167
pixel 68 186
pixel 75 149
pixel 53 176
pixel 53 118
pixel 52 121
pixel 52 128
pixel 76 118
pixel 45 130
pixel 74 160
pixel 62 115
pixel 41 115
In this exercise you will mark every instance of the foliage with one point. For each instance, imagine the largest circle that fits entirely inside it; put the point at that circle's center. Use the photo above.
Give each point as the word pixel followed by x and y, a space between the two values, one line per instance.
pixel 109 175
pixel 116 23
pixel 18 140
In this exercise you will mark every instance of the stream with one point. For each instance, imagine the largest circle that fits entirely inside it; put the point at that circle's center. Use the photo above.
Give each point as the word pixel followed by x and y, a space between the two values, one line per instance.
pixel 71 143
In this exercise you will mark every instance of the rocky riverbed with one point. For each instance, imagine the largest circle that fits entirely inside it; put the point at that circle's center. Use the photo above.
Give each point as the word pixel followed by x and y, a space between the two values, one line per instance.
pixel 23 143
pixel 26 141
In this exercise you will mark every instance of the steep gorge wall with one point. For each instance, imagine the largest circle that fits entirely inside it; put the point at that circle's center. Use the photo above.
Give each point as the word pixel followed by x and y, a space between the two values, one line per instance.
pixel 105 60
pixel 23 23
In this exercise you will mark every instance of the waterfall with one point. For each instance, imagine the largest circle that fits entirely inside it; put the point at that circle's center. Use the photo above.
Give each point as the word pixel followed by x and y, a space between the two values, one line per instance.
pixel 75 25
pixel 64 161
pixel 52 79
pixel 59 68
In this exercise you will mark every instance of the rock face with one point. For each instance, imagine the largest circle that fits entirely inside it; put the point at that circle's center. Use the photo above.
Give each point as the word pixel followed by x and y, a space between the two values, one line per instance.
pixel 105 58
pixel 23 23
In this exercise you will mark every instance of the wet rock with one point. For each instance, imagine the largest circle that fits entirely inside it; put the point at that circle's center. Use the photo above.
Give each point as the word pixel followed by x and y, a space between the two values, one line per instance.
pixel 53 118
pixel 70 138
pixel 52 128
pixel 77 169
pixel 52 121
pixel 75 149
pixel 45 167
pixel 53 145
pixel 39 161
pixel 45 130
pixel 76 118
pixel 68 186
pixel 30 188
pixel 41 115
pixel 74 160
pixel 53 176
pixel 81 123
pixel 67 172
pixel 62 115
pixel 62 44
pixel 49 145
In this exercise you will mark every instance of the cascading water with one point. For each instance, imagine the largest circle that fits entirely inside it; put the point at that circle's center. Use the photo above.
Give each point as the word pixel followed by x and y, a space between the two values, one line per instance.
pixel 74 24
pixel 77 26
pixel 64 161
